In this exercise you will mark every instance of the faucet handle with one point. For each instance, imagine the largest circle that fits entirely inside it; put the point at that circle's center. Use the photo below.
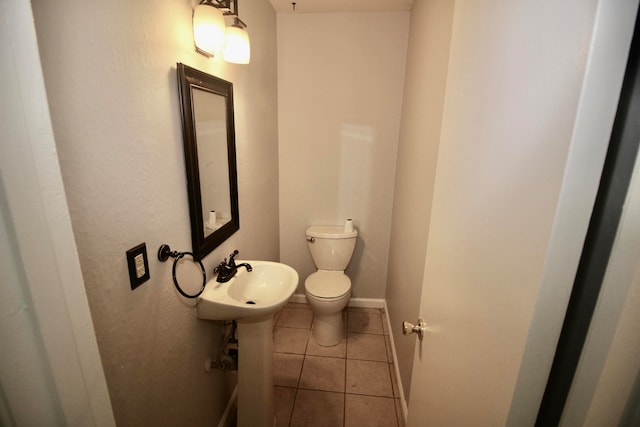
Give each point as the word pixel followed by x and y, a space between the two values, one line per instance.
pixel 232 261
pixel 223 266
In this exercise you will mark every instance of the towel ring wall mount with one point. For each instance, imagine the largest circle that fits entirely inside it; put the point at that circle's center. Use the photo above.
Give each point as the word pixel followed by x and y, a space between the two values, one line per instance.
pixel 165 252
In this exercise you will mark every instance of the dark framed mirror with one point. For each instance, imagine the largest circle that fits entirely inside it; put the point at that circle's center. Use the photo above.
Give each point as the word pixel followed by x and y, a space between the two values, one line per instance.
pixel 206 103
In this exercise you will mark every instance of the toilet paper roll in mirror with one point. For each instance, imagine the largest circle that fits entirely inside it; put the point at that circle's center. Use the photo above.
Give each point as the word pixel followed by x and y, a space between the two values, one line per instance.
pixel 212 217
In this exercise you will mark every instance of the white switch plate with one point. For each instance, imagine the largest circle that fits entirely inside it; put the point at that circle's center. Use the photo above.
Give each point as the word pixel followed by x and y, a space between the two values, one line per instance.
pixel 138 265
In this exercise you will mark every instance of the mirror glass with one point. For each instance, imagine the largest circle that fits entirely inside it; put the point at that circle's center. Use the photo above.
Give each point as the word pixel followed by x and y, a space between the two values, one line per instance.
pixel 211 136
pixel 210 158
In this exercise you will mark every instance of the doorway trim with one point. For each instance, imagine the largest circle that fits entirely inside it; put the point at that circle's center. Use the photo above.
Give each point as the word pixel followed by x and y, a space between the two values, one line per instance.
pixel 612 193
pixel 609 48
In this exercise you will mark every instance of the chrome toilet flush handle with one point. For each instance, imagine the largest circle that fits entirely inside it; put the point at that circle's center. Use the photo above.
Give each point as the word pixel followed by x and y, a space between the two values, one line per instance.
pixel 311 239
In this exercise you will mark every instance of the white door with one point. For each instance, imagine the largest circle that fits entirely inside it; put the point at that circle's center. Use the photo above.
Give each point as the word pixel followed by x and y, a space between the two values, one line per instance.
pixel 527 116
pixel 50 369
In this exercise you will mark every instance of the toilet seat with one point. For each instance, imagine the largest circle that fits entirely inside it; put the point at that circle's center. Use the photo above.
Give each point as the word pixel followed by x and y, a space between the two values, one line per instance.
pixel 328 284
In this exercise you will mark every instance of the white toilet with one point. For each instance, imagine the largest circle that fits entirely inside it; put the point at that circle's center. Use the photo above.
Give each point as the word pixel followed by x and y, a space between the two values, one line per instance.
pixel 328 289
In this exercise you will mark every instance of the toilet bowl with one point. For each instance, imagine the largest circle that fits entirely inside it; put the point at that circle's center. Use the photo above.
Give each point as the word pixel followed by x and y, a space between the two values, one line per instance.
pixel 328 290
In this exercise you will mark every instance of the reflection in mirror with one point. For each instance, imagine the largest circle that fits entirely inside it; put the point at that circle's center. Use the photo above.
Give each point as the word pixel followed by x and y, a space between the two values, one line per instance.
pixel 210 158
pixel 211 136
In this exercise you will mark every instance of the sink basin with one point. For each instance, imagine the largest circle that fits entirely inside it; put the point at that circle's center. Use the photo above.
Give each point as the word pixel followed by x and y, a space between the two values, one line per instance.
pixel 262 291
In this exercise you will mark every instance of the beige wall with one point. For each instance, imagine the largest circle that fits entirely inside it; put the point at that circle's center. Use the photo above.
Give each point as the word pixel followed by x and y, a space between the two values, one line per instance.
pixel 423 104
pixel 110 74
pixel 340 79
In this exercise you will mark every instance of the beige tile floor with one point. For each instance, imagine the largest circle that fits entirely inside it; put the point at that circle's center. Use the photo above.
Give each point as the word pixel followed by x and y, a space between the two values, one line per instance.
pixel 348 385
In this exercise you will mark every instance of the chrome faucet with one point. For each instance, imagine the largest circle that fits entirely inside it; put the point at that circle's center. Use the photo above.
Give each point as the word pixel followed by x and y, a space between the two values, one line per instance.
pixel 226 271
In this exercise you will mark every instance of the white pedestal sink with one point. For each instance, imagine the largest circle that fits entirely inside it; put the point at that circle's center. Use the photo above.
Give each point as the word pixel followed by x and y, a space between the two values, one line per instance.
pixel 251 298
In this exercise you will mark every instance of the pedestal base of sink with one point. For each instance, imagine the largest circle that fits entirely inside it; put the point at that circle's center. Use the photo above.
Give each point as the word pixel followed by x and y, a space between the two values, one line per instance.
pixel 255 372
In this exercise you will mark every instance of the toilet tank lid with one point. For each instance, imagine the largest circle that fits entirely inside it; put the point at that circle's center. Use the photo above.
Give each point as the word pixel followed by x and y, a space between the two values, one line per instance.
pixel 330 232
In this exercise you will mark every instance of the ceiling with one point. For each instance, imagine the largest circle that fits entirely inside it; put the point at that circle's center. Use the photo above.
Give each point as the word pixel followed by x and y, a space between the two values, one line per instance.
pixel 284 6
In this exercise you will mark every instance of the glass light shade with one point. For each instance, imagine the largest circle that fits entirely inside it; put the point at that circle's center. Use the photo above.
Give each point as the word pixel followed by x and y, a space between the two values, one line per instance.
pixel 237 48
pixel 208 28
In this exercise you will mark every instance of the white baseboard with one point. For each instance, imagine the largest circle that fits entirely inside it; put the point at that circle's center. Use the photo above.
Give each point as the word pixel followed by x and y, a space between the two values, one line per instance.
pixel 298 298
pixel 403 402
pixel 353 302
pixel 366 302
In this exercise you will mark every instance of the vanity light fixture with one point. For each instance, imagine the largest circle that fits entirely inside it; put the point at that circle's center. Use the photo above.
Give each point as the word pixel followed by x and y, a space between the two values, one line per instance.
pixel 208 28
pixel 211 36
pixel 237 48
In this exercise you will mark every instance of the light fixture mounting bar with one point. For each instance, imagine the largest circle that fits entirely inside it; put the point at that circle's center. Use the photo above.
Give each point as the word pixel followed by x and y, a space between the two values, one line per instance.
pixel 229 8
pixel 237 22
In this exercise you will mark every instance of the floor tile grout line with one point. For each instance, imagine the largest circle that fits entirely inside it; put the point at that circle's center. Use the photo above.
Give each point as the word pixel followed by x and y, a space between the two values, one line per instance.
pixel 341 392
pixel 344 408
pixel 371 395
pixel 329 391
pixel 293 406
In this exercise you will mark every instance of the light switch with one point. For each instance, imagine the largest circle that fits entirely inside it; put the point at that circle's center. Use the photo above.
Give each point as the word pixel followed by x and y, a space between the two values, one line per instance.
pixel 138 265
pixel 140 269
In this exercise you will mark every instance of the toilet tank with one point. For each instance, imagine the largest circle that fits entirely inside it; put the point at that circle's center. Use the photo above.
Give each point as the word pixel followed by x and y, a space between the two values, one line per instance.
pixel 331 247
